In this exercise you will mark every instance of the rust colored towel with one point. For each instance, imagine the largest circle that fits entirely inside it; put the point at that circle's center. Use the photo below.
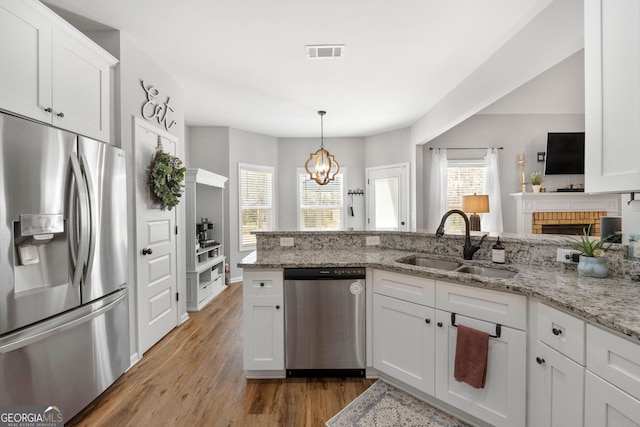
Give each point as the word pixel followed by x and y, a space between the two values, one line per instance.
pixel 472 347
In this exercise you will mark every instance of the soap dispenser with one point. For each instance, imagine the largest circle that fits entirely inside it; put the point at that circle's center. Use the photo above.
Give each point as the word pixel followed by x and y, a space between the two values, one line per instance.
pixel 497 252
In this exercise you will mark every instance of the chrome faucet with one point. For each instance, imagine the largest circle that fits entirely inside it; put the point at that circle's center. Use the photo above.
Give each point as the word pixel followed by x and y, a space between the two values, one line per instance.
pixel 468 250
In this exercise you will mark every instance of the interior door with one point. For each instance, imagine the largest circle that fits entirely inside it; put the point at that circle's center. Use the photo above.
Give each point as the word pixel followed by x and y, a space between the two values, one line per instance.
pixel 388 197
pixel 156 250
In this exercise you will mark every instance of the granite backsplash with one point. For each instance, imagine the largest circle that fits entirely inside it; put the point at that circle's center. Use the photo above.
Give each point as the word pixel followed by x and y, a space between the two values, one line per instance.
pixel 519 249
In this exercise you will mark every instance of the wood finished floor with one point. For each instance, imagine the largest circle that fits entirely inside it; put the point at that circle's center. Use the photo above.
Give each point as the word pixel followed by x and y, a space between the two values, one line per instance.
pixel 194 377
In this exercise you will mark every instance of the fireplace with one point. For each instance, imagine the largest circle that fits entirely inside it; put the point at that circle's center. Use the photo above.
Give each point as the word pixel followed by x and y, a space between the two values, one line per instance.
pixel 563 213
pixel 566 222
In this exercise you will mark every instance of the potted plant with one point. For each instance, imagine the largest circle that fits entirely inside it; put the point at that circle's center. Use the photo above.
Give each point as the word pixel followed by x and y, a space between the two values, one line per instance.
pixel 536 181
pixel 592 261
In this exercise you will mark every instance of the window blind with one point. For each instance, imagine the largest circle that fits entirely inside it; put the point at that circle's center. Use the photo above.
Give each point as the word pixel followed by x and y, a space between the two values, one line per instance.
pixel 256 202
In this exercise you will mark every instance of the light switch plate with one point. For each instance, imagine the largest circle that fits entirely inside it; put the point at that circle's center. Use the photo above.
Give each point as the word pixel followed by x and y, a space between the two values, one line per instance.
pixel 373 240
pixel 286 241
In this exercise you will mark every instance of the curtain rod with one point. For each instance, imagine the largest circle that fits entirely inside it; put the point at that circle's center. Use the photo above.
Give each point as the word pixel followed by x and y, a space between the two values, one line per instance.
pixel 465 148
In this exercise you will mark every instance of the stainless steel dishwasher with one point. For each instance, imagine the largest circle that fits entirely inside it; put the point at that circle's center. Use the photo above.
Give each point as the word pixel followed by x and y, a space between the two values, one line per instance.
pixel 324 311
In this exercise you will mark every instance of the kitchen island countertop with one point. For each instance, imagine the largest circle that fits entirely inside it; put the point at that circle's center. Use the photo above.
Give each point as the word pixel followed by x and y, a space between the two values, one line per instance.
pixel 611 302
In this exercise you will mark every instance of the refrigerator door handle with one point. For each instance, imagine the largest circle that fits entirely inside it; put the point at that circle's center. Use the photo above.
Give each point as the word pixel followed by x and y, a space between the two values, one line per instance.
pixel 84 214
pixel 93 211
pixel 45 331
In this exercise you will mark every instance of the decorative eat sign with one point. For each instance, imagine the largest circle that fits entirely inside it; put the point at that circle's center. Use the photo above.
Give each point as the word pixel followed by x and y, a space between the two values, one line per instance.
pixel 153 109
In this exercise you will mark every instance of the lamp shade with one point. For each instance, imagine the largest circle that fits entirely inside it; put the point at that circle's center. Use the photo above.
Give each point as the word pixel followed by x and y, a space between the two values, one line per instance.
pixel 477 203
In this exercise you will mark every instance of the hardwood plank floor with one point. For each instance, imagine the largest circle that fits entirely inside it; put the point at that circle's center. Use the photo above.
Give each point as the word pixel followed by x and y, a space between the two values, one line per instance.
pixel 194 377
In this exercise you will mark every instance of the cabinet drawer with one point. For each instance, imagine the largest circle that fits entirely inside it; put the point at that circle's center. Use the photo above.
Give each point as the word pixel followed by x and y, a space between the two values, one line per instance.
pixel 262 282
pixel 561 332
pixel 615 359
pixel 414 289
pixel 484 304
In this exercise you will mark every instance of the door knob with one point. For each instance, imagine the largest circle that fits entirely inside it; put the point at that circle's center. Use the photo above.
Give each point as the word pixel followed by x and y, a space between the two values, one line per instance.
pixel 402 223
pixel 147 251
pixel 540 360
pixel 277 307
pixel 48 110
pixel 427 320
pixel 61 115
pixel 439 324
pixel 556 331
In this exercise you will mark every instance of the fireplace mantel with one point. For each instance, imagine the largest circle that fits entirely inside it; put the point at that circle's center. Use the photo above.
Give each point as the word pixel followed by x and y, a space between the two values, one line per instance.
pixel 528 203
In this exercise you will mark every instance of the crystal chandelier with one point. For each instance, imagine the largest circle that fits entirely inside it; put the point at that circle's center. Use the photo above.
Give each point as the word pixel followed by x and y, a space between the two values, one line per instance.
pixel 322 166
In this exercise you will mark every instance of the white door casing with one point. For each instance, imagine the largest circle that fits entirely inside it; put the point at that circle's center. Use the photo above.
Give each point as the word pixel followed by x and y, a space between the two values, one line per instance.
pixel 156 245
pixel 388 197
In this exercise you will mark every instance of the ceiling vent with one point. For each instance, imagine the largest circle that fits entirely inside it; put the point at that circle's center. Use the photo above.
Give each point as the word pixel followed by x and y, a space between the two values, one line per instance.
pixel 325 51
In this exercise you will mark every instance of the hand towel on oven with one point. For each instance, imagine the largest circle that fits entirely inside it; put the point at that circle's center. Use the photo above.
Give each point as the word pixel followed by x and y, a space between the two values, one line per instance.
pixel 472 348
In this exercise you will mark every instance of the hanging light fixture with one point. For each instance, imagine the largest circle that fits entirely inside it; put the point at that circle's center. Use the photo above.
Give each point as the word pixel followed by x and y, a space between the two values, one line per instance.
pixel 322 166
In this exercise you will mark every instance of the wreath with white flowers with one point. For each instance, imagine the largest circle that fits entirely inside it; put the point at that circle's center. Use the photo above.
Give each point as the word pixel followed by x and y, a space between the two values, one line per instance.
pixel 164 177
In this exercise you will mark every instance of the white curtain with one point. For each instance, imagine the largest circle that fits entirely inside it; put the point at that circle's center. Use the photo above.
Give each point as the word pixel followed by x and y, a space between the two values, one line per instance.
pixel 492 221
pixel 438 188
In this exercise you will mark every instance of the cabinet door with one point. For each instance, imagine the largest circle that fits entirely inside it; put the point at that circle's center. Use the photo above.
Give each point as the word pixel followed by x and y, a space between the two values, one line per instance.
pixel 556 388
pixel 81 81
pixel 612 95
pixel 403 341
pixel 25 49
pixel 502 401
pixel 263 333
pixel 608 406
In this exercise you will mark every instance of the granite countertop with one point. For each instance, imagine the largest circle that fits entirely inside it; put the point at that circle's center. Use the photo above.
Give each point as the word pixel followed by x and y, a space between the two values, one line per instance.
pixel 611 302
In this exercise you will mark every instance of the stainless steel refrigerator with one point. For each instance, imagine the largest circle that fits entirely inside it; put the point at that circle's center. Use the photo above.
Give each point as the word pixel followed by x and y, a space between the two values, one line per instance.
pixel 64 318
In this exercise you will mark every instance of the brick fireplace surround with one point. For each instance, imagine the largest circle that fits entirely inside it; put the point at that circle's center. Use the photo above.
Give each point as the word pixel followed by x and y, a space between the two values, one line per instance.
pixel 566 222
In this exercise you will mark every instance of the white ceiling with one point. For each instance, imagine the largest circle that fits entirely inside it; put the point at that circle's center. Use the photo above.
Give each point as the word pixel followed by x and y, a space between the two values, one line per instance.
pixel 242 63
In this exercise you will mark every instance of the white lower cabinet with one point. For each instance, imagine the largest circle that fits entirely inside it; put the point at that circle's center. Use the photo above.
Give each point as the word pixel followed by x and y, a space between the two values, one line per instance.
pixel 608 406
pixel 403 341
pixel 412 346
pixel 263 315
pixel 502 401
pixel 556 389
pixel 612 384
pixel 556 367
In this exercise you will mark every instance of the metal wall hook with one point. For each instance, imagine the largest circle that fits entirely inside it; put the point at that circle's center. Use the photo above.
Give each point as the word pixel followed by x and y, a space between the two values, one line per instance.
pixel 498 326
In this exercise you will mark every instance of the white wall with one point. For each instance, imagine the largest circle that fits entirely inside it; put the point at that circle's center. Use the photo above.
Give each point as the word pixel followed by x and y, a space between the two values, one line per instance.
pixel 388 148
pixel 252 148
pixel 516 133
pixel 129 98
pixel 208 149
pixel 294 152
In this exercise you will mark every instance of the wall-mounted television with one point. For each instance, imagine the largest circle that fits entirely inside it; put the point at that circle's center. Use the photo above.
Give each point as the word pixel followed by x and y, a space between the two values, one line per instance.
pixel 565 153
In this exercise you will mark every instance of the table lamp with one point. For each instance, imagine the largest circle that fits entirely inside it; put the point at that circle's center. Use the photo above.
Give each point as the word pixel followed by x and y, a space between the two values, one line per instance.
pixel 476 203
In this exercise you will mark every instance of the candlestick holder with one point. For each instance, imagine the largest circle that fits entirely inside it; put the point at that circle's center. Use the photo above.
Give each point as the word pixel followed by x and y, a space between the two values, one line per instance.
pixel 523 181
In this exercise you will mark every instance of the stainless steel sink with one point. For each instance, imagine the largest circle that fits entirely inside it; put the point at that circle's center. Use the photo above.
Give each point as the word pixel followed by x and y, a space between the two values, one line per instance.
pixel 441 264
pixel 485 271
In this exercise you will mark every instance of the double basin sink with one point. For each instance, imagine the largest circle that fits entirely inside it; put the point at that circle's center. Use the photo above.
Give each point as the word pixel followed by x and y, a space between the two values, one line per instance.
pixel 443 264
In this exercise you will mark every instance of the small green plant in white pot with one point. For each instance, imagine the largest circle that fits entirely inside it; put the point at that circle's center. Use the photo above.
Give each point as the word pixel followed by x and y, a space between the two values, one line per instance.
pixel 536 181
pixel 592 261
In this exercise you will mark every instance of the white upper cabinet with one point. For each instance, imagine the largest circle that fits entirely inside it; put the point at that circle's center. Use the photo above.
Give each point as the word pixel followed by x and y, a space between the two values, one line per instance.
pixel 612 95
pixel 25 49
pixel 52 72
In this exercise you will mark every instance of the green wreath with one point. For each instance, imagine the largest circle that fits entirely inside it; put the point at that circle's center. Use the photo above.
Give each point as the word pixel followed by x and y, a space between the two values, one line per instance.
pixel 164 177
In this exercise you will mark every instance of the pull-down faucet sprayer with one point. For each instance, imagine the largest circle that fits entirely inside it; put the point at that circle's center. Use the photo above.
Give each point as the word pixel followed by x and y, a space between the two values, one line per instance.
pixel 468 250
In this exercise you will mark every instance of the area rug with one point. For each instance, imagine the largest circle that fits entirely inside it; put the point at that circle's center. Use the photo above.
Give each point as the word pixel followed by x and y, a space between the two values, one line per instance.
pixel 383 405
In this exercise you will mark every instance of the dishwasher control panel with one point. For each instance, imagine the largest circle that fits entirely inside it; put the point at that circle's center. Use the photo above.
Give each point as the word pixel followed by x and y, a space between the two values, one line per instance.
pixel 329 273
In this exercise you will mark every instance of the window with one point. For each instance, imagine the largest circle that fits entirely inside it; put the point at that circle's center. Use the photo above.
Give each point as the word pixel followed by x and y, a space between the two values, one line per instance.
pixel 320 206
pixel 463 177
pixel 256 202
